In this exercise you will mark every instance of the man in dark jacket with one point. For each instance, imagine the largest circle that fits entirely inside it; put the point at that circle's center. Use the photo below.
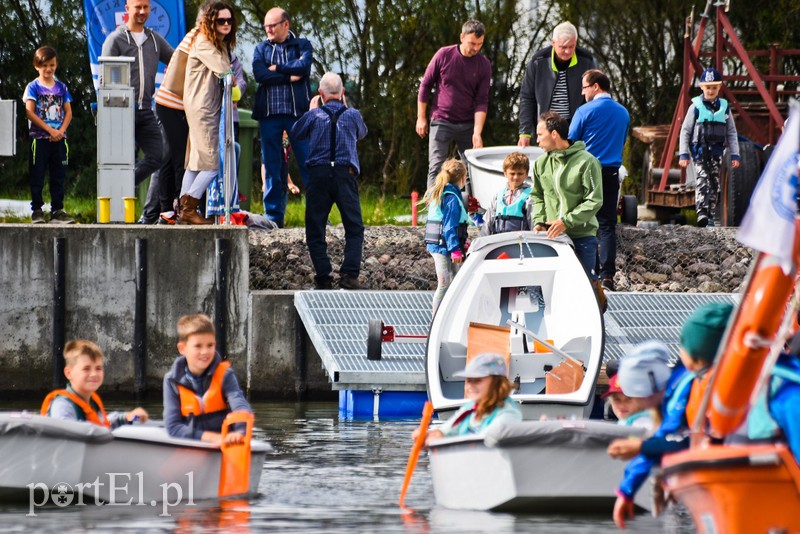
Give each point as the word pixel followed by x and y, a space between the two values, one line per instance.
pixel 553 80
pixel 281 66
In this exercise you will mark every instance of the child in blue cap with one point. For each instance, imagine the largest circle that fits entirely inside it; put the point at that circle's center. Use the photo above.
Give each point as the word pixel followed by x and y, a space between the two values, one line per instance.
pixel 707 129
pixel 487 387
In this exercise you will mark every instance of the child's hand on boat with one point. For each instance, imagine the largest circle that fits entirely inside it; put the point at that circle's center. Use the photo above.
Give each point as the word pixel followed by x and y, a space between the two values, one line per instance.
pixel 625 449
pixel 233 438
pixel 429 436
pixel 623 509
pixel 137 414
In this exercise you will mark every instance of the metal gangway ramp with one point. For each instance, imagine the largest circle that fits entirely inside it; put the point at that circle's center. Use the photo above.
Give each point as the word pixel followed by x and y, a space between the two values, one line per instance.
pixel 337 324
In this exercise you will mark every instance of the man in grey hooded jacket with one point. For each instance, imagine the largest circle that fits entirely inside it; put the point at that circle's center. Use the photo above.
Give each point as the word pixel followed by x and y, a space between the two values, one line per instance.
pixel 147 48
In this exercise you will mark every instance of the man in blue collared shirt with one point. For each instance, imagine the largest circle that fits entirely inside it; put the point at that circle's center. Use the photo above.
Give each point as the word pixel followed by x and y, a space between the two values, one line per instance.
pixel 332 172
pixel 281 66
pixel 603 125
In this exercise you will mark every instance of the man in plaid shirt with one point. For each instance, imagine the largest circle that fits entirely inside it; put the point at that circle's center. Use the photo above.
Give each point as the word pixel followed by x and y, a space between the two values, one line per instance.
pixel 332 131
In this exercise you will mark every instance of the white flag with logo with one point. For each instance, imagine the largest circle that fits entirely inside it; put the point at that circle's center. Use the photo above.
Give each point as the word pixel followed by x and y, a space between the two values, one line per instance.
pixel 768 225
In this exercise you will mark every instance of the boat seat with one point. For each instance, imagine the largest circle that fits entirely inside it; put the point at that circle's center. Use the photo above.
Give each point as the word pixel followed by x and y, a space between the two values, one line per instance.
pixel 565 377
pixel 489 338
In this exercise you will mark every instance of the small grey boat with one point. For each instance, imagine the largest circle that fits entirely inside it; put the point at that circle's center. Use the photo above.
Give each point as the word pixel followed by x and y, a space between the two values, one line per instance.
pixel 138 464
pixel 532 466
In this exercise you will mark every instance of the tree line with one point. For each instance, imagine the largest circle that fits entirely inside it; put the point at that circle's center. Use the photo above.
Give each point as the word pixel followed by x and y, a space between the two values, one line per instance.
pixel 383 47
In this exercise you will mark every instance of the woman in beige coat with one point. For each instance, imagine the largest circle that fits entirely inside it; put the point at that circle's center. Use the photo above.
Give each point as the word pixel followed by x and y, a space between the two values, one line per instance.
pixel 209 60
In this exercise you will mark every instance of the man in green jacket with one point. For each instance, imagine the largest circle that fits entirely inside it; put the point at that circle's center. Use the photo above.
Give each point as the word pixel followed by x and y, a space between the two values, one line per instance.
pixel 567 190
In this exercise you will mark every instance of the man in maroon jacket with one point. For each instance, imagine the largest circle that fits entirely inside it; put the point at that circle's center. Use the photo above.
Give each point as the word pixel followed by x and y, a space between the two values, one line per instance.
pixel 460 76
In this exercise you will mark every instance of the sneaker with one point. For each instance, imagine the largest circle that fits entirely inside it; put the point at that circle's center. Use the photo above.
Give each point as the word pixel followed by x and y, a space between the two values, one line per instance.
pixel 169 217
pixel 323 282
pixel 37 217
pixel 348 281
pixel 608 284
pixel 147 220
pixel 61 217
pixel 702 221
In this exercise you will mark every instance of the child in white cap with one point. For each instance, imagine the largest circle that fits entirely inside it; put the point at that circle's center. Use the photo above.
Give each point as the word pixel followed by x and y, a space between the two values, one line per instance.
pixel 487 387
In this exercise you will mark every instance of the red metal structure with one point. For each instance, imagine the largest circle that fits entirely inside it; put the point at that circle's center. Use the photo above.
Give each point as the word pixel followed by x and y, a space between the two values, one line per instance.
pixel 758 102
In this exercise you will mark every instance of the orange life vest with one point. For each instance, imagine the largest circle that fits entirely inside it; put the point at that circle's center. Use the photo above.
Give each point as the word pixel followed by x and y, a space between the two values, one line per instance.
pixel 696 395
pixel 213 399
pixel 91 415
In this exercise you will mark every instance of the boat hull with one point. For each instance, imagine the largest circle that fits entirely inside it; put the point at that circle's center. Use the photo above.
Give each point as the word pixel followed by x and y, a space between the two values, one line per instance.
pixel 737 489
pixel 533 281
pixel 547 466
pixel 137 464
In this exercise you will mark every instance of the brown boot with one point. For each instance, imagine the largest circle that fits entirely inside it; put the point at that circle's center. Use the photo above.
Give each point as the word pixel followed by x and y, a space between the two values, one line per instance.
pixel 188 213
pixel 599 292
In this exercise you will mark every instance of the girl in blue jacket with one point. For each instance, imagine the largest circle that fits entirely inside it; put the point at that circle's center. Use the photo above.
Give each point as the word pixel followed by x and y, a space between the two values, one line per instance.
pixel 446 228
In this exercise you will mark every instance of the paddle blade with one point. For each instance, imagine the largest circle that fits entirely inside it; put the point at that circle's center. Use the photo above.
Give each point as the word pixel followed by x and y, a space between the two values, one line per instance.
pixel 234 476
pixel 427 413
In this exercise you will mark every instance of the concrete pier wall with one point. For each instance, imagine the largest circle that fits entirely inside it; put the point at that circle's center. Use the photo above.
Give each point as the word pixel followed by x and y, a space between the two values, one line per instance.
pixel 100 292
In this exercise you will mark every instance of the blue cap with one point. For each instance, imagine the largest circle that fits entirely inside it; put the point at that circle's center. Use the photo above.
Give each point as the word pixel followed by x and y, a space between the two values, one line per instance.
pixel 711 76
pixel 486 364
pixel 645 371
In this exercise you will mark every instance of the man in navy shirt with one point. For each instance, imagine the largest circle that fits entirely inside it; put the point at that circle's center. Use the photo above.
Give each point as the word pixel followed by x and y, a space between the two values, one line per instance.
pixel 281 66
pixel 603 125
pixel 332 130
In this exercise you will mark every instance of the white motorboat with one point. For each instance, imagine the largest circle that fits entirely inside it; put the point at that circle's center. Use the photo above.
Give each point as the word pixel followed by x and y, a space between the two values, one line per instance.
pixel 532 466
pixel 486 169
pixel 137 464
pixel 527 298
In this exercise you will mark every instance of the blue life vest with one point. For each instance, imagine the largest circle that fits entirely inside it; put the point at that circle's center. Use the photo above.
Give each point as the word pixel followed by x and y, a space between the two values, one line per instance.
pixel 711 127
pixel 760 423
pixel 511 218
pixel 433 226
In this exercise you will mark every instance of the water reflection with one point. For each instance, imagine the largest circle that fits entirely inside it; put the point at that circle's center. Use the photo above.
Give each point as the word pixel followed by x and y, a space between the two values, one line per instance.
pixel 324 475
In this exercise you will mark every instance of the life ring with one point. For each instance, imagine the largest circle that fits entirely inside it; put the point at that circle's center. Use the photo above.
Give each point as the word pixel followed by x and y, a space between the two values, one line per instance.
pixel 755 327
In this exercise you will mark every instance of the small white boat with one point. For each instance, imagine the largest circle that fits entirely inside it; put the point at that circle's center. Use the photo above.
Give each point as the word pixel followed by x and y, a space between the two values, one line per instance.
pixel 138 464
pixel 527 298
pixel 486 169
pixel 532 466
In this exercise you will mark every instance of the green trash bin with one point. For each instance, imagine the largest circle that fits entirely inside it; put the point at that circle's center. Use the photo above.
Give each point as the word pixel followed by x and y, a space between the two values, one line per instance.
pixel 248 132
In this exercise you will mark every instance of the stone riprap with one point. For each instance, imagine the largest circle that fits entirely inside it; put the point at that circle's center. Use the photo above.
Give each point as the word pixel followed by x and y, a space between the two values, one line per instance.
pixel 669 258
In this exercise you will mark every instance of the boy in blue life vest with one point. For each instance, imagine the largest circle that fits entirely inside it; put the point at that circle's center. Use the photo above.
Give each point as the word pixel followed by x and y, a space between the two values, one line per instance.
pixel 83 367
pixel 701 336
pixel 201 389
pixel 511 209
pixel 707 129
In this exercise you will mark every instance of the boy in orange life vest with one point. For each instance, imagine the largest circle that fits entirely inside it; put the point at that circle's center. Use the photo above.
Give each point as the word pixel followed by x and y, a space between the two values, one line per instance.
pixel 80 401
pixel 200 389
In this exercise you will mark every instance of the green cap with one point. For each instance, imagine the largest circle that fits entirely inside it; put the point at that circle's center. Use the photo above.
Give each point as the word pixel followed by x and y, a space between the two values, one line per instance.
pixel 703 330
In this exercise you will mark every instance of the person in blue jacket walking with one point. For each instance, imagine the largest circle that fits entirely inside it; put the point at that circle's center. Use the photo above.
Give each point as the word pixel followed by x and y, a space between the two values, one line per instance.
pixel 446 227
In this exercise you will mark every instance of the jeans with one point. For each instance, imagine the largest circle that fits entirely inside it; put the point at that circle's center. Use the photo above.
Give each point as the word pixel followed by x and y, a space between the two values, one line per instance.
pixel 271 130
pixel 439 138
pixel 51 157
pixel 586 251
pixel 147 133
pixel 176 134
pixel 607 219
pixel 325 187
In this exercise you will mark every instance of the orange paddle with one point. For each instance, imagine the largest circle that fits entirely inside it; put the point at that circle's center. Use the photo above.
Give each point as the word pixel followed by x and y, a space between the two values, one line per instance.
pixel 427 413
pixel 234 476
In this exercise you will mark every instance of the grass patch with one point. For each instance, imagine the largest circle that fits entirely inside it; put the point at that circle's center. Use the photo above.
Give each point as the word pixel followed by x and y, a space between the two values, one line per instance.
pixel 375 210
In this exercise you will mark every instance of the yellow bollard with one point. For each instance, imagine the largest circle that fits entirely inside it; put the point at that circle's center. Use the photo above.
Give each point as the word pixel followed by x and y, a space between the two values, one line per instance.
pixel 130 209
pixel 103 209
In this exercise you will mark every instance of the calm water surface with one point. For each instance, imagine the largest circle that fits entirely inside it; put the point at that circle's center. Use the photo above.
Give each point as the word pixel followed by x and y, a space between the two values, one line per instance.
pixel 324 475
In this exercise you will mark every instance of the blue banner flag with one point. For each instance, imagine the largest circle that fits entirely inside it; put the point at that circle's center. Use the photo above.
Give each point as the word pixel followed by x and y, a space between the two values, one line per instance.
pixel 167 17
